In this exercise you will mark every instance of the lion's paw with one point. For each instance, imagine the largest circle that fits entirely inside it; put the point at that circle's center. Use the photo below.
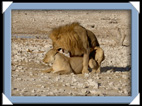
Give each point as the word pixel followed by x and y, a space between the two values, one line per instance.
pixel 85 71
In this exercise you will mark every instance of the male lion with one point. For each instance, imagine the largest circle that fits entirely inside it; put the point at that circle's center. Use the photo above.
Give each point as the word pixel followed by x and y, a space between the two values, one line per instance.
pixel 65 65
pixel 76 40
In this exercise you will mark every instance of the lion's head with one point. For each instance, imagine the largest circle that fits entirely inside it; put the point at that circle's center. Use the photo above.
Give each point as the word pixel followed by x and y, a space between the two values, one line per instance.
pixel 49 56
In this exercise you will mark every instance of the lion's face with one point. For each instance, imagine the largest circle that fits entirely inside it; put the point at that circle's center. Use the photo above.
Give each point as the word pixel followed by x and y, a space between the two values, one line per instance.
pixel 49 56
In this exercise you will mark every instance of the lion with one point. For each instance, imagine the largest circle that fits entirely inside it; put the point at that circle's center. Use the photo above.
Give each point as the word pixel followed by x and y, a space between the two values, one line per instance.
pixel 75 39
pixel 65 65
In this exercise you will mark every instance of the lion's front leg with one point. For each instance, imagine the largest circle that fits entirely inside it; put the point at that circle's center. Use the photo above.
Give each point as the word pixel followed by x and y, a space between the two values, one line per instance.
pixel 86 62
pixel 47 71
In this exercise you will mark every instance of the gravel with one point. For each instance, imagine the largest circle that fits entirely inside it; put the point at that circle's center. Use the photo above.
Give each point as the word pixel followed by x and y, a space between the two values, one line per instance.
pixel 30 42
pixel 29 80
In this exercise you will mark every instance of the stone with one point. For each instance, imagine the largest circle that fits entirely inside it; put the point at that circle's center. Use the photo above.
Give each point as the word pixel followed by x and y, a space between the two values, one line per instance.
pixel 86 75
pixel 90 82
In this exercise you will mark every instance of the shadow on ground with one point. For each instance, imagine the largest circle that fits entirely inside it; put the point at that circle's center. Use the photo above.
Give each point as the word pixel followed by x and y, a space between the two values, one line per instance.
pixel 122 69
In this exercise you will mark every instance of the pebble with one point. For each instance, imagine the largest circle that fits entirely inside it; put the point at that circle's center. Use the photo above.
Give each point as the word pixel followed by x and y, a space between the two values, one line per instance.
pixel 33 79
pixel 90 82
pixel 30 73
pixel 111 84
pixel 125 91
pixel 87 92
pixel 117 72
pixel 50 93
pixel 95 92
pixel 73 80
pixel 67 84
pixel 72 74
pixel 110 71
pixel 57 78
pixel 80 85
pixel 33 91
pixel 125 76
pixel 17 70
pixel 86 75
pixel 19 79
pixel 14 88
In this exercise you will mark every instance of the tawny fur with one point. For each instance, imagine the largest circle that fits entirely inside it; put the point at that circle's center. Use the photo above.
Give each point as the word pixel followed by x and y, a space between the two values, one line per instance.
pixel 66 65
pixel 76 40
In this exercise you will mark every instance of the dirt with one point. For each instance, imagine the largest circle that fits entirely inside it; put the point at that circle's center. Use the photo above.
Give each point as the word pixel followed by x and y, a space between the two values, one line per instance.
pixel 30 42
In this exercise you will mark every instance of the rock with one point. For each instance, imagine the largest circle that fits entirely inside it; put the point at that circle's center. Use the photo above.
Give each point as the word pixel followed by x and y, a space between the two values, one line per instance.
pixel 95 92
pixel 73 80
pixel 80 85
pixel 125 76
pixel 33 91
pixel 90 82
pixel 19 79
pixel 33 79
pixel 14 88
pixel 125 91
pixel 110 71
pixel 96 77
pixel 30 73
pixel 87 92
pixel 86 75
pixel 67 84
pixel 50 93
pixel 111 84
pixel 72 74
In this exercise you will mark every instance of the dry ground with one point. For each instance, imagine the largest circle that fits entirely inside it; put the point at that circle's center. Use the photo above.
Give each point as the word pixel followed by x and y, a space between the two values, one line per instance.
pixel 30 42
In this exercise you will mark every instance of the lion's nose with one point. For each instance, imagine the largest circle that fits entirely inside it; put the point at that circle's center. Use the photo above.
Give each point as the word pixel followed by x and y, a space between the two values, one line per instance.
pixel 45 62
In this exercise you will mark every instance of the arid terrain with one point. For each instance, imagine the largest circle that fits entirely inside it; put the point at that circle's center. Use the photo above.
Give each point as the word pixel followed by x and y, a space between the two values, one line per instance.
pixel 30 42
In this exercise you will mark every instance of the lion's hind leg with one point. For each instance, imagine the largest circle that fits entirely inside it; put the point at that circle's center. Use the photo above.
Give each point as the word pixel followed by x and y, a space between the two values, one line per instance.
pixel 94 66
pixel 60 72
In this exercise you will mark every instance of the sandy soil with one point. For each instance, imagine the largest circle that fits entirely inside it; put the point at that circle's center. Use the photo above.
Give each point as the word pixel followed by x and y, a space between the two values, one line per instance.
pixel 29 50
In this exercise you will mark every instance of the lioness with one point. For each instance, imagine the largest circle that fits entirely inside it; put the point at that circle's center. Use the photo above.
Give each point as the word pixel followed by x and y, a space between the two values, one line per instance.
pixel 76 40
pixel 65 65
